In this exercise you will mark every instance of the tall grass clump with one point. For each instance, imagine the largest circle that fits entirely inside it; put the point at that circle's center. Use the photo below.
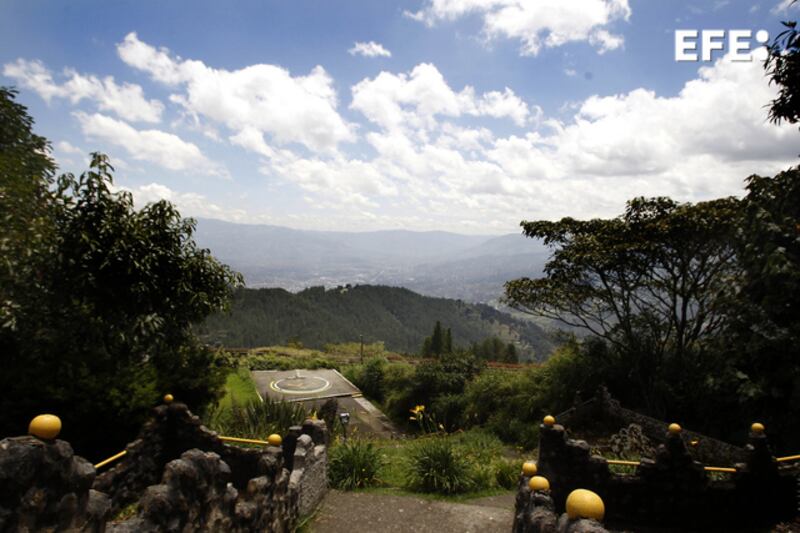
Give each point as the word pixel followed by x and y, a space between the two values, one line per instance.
pixel 435 465
pixel 354 464
pixel 256 419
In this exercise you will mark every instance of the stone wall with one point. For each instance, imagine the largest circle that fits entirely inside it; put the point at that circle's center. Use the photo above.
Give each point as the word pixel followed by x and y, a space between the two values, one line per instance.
pixel 672 489
pixel 45 487
pixel 309 476
pixel 179 474
pixel 196 494
pixel 535 512
pixel 604 412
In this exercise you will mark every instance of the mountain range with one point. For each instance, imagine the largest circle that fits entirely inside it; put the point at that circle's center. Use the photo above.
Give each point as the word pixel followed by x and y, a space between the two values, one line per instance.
pixel 435 263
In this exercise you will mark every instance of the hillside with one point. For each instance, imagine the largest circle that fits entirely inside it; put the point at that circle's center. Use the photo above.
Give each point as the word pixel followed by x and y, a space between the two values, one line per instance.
pixel 435 263
pixel 397 316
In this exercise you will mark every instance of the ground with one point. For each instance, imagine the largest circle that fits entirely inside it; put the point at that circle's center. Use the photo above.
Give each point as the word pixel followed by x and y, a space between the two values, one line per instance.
pixel 368 512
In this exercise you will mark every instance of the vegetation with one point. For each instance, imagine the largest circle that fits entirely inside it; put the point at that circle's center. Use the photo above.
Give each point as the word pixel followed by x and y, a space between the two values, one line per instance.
pixel 354 464
pixel 398 317
pixel 436 466
pixel 97 297
pixel 258 419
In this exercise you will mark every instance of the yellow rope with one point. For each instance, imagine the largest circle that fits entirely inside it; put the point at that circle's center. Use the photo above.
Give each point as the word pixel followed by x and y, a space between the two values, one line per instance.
pixel 245 441
pixel 788 458
pixel 110 459
pixel 637 463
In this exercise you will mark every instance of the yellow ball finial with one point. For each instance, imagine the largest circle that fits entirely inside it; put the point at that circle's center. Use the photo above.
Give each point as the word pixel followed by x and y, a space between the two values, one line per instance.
pixel 168 398
pixel 757 428
pixel 46 427
pixel 539 483
pixel 274 440
pixel 529 468
pixel 549 420
pixel 675 428
pixel 582 503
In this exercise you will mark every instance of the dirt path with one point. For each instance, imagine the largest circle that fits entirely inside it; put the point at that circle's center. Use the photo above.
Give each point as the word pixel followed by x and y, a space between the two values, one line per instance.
pixel 360 512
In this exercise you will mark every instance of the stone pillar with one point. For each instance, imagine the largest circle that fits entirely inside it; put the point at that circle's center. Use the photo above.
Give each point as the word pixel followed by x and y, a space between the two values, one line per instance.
pixel 44 486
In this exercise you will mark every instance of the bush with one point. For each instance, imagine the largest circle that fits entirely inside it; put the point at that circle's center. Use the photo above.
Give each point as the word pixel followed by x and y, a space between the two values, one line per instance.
pixel 435 465
pixel 282 362
pixel 506 473
pixel 369 377
pixel 354 464
pixel 256 419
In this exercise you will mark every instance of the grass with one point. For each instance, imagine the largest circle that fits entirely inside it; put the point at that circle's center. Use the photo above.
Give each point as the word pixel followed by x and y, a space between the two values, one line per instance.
pixel 239 389
pixel 476 445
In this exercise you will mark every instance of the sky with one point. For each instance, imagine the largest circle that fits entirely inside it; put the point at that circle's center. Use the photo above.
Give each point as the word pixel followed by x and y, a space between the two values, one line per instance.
pixel 458 115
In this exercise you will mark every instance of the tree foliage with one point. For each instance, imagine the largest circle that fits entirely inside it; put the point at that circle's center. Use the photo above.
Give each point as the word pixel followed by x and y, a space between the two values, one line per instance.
pixel 783 67
pixel 98 300
pixel 645 282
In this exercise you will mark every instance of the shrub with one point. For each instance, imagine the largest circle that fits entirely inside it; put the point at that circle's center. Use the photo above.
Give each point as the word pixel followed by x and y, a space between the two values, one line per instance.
pixel 256 419
pixel 435 465
pixel 506 473
pixel 354 464
pixel 369 377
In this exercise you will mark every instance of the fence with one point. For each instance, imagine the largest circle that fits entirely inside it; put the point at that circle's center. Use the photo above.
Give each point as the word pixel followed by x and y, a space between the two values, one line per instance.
pixel 670 489
pixel 176 472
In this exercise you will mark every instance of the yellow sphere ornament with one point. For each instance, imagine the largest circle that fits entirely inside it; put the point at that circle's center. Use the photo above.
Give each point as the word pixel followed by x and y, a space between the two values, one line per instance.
pixel 757 427
pixel 674 428
pixel 274 440
pixel 539 483
pixel 529 468
pixel 168 398
pixel 45 427
pixel 582 503
pixel 549 420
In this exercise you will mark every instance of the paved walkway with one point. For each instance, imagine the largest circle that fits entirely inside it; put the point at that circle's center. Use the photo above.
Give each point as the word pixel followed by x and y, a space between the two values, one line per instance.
pixel 362 512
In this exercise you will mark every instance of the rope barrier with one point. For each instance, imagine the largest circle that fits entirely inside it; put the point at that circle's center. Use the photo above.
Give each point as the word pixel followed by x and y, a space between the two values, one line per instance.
pixel 111 459
pixel 244 441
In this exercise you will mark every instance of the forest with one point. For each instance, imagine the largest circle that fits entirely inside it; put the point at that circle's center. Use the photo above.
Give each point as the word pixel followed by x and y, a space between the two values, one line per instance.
pixel 398 317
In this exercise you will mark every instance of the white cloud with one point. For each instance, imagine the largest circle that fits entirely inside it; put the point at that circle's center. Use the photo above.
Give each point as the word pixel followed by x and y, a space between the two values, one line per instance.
pixel 370 49
pixel 537 23
pixel 266 98
pixel 67 148
pixel 126 100
pixel 164 149
pixel 784 6
pixel 698 144
pixel 188 203
pixel 414 100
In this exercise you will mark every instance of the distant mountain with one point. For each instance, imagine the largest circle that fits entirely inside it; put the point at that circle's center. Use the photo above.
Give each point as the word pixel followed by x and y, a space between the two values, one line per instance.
pixel 398 317
pixel 468 267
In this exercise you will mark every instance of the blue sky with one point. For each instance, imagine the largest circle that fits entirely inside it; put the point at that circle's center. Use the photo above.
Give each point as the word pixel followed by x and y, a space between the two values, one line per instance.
pixel 460 115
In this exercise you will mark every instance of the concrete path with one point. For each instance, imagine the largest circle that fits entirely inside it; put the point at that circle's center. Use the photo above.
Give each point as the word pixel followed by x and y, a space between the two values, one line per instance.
pixel 361 512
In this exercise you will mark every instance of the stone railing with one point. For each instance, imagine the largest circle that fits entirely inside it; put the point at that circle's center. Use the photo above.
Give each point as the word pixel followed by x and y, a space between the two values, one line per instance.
pixel 180 475
pixel 603 411
pixel 669 490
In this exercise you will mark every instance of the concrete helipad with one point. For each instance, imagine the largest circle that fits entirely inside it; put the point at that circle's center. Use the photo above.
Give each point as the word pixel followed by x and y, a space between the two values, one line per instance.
pixel 314 387
pixel 300 385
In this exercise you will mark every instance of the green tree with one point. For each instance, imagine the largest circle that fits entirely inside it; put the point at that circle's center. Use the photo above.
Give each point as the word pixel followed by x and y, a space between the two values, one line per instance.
pixel 758 372
pixel 448 341
pixel 783 67
pixel 96 321
pixel 645 282
pixel 511 354
pixel 437 339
